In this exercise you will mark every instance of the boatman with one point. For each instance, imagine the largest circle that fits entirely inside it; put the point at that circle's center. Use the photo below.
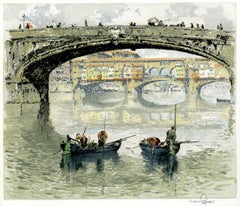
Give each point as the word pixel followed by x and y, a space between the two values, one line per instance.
pixel 66 153
pixel 102 137
pixel 171 135
pixel 171 140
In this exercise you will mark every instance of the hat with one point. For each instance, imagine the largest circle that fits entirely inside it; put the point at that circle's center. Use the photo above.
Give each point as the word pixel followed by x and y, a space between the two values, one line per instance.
pixel 68 137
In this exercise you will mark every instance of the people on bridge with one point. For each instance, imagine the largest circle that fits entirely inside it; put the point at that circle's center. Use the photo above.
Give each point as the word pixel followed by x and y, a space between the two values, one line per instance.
pixel 182 24
pixel 59 25
pixel 160 23
pixel 29 25
pixel 132 24
pixel 102 137
pixel 219 27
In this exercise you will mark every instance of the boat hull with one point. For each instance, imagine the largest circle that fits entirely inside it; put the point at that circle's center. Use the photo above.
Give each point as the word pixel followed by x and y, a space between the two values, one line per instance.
pixel 108 147
pixel 158 150
pixel 80 157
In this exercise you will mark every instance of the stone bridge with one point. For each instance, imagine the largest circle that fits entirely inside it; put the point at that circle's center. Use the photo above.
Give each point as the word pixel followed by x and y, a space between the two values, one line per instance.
pixel 31 54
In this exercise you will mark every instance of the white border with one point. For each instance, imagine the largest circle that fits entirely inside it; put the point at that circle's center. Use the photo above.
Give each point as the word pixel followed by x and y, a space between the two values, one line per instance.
pixel 185 202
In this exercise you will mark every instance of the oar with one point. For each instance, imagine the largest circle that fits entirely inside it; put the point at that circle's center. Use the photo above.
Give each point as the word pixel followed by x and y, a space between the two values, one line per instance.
pixel 132 147
pixel 123 139
pixel 104 125
pixel 57 151
pixel 175 116
pixel 188 141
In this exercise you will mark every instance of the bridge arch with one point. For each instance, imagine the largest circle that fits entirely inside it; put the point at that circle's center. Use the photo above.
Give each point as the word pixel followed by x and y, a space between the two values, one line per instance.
pixel 154 72
pixel 199 88
pixel 164 72
pixel 32 55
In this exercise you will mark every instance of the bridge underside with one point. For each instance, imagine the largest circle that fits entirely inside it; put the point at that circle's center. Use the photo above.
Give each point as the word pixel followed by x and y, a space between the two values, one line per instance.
pixel 38 72
pixel 38 64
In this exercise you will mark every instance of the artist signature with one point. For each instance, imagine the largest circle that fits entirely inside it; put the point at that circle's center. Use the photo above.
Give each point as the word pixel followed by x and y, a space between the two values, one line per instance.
pixel 203 200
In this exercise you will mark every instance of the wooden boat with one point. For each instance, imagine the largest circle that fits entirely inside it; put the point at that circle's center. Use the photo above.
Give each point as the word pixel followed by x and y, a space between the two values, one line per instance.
pixel 81 156
pixel 108 147
pixel 161 150
pixel 223 100
pixel 94 148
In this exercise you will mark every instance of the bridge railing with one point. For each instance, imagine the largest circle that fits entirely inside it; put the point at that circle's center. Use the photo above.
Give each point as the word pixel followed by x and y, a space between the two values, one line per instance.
pixel 143 30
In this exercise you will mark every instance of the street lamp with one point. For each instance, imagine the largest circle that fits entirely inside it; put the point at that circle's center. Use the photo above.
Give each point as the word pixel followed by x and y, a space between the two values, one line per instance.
pixel 23 19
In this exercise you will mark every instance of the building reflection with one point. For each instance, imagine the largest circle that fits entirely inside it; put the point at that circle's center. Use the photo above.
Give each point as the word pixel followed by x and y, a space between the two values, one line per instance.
pixel 131 112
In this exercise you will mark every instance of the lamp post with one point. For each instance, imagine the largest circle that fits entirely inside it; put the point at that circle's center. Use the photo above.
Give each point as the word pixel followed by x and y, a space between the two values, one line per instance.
pixel 23 20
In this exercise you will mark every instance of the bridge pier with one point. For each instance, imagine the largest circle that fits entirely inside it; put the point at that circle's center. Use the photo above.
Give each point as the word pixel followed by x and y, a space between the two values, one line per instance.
pixel 43 90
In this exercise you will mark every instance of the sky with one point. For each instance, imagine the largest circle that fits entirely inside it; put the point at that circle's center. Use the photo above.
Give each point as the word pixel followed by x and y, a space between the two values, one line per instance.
pixel 122 13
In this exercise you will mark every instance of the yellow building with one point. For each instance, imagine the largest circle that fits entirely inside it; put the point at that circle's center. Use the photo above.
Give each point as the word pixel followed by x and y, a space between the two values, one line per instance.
pixel 126 65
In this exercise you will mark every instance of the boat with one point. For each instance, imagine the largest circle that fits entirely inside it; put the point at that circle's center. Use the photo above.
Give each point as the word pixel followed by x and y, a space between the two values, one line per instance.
pixel 80 156
pixel 162 150
pixel 94 149
pixel 223 100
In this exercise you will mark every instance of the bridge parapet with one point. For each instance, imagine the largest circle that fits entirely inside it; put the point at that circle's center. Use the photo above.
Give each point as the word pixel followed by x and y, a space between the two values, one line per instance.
pixel 144 30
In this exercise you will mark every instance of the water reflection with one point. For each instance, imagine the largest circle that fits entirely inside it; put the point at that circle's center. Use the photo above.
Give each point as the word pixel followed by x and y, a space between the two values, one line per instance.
pixel 169 163
pixel 104 98
pixel 75 162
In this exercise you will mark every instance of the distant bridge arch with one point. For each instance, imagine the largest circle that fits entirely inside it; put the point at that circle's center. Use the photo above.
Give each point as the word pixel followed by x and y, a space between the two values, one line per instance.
pixel 199 88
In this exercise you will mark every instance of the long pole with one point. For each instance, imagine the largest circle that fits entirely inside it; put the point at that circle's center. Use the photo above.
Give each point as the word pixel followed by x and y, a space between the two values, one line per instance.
pixel 175 116
pixel 104 126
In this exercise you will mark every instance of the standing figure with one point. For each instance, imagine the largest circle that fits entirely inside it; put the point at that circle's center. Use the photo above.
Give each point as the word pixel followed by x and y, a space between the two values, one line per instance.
pixel 85 21
pixel 102 137
pixel 170 140
pixel 171 136
pixel 66 154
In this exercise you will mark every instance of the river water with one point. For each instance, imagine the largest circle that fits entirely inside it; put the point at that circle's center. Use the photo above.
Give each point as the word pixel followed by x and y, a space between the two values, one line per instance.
pixel 31 138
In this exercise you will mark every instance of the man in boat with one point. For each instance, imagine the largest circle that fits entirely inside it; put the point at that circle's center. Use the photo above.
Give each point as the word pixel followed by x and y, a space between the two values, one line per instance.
pixel 170 141
pixel 171 135
pixel 153 141
pixel 102 137
pixel 82 139
pixel 66 153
